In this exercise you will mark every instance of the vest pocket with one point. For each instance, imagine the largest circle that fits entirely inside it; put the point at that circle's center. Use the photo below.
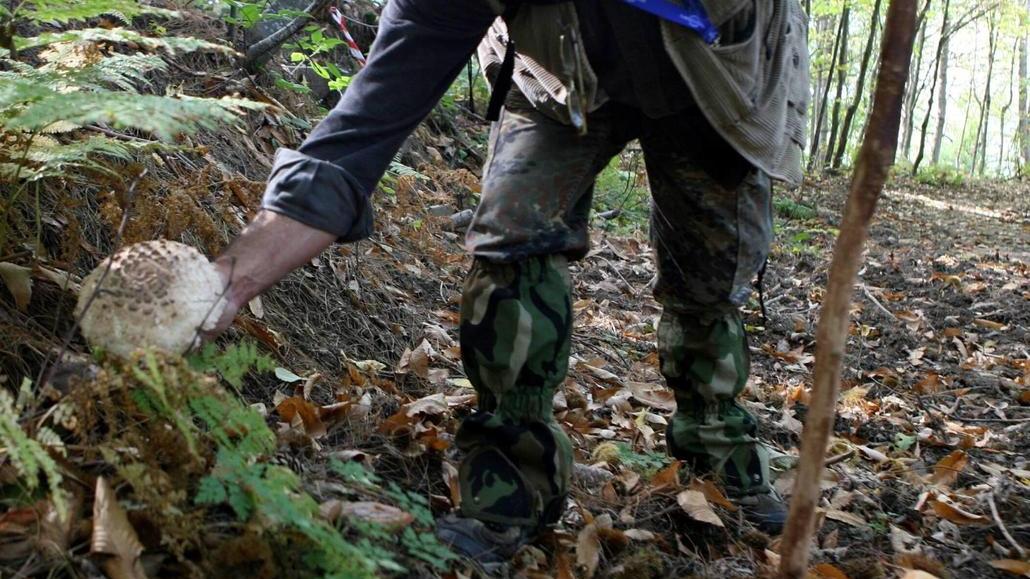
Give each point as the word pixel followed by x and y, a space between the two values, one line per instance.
pixel 742 59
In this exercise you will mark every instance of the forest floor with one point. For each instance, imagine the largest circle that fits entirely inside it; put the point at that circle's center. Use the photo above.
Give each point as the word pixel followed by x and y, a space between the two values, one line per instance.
pixel 927 471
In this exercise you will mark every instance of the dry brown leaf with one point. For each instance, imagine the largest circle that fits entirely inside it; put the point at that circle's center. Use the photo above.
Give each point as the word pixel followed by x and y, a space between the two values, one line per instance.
pixel 712 493
pixel 696 505
pixel 588 550
pixel 667 478
pixel 640 535
pixel 450 478
pixel 955 514
pixel 113 536
pixel 946 471
pixel 826 571
pixel 390 517
pixel 658 397
pixel 297 411
pixel 846 517
pixel 1014 566
pixel 988 324
pixel 432 405
pixel 18 280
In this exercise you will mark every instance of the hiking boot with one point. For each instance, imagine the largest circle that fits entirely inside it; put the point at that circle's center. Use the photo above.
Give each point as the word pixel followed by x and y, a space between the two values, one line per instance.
pixel 767 511
pixel 486 543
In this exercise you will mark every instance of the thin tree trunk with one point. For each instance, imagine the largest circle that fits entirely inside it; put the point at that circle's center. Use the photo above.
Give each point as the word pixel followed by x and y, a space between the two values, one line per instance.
pixel 842 76
pixel 1005 109
pixel 849 116
pixel 915 86
pixel 965 115
pixel 933 88
pixel 942 104
pixel 817 134
pixel 1024 105
pixel 985 110
pixel 871 169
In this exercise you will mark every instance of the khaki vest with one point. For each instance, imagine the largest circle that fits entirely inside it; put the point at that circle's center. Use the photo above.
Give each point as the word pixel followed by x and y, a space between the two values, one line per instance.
pixel 755 92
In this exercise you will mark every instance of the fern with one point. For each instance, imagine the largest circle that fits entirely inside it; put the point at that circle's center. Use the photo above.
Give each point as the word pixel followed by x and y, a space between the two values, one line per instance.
pixel 233 363
pixel 64 11
pixel 29 455
pixel 171 45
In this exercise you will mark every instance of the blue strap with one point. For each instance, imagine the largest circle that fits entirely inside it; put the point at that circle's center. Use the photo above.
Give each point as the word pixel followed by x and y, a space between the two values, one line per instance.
pixel 689 13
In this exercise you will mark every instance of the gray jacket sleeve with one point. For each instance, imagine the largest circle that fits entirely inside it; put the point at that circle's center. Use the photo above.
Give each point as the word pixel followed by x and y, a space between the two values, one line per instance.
pixel 421 47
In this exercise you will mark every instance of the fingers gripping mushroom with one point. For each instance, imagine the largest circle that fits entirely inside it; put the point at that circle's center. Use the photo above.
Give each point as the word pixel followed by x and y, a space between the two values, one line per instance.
pixel 156 294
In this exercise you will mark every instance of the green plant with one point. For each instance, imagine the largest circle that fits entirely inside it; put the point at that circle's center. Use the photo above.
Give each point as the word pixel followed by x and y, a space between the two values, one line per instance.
pixel 787 208
pixel 64 93
pixel 29 454
pixel 647 463
pixel 317 44
pixel 621 192
pixel 941 175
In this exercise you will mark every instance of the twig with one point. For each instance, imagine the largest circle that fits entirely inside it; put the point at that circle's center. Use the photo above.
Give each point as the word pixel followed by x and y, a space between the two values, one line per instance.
pixel 876 302
pixel 839 458
pixel 1001 526
pixel 870 174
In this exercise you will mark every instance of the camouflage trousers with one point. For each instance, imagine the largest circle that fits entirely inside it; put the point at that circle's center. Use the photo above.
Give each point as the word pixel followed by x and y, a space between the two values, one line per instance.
pixel 711 227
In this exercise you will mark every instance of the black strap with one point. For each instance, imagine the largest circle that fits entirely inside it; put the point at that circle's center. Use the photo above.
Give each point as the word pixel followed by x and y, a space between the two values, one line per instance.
pixel 502 83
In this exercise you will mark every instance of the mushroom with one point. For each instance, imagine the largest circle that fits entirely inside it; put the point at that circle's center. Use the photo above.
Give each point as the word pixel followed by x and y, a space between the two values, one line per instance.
pixel 157 294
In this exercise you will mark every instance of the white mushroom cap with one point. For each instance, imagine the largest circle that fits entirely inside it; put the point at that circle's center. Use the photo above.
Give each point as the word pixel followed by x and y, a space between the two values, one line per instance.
pixel 157 294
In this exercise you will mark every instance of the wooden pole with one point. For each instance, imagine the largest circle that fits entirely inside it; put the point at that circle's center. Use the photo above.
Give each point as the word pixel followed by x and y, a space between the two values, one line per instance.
pixel 870 174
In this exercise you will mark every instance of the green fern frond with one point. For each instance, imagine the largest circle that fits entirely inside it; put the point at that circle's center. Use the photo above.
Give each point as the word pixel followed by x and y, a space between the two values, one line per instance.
pixel 64 11
pixel 164 117
pixel 171 45
pixel 29 456
pixel 47 157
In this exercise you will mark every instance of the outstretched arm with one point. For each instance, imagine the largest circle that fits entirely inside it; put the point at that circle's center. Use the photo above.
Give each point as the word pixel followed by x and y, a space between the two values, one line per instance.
pixel 320 192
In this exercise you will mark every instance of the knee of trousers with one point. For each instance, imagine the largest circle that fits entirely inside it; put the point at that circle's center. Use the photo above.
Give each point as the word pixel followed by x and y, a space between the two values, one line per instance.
pixel 514 473
pixel 516 330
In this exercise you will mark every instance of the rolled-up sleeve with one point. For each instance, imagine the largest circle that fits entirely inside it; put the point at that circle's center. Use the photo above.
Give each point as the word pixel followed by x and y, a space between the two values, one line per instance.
pixel 421 47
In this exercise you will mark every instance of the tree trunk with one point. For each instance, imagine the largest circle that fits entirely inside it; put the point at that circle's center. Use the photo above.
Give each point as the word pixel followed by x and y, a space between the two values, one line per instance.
pixel 1005 109
pixel 969 103
pixel 849 116
pixel 1024 105
pixel 985 111
pixel 933 88
pixel 842 76
pixel 942 105
pixel 871 169
pixel 915 86
pixel 817 133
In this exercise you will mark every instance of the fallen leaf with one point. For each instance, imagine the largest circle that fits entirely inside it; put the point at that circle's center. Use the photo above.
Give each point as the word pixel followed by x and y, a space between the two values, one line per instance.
pixel 295 409
pixel 640 535
pixel 990 325
pixel 390 517
pixel 847 517
pixel 658 397
pixel 1013 566
pixel 955 514
pixel 588 550
pixel 450 478
pixel 287 376
pixel 946 471
pixel 826 571
pixel 257 307
pixel 696 506
pixel 712 493
pixel 668 477
pixel 432 405
pixel 917 574
pixel 113 536
pixel 19 283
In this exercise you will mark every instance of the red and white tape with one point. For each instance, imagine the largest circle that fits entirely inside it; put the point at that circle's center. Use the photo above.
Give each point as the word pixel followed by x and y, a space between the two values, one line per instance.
pixel 341 22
